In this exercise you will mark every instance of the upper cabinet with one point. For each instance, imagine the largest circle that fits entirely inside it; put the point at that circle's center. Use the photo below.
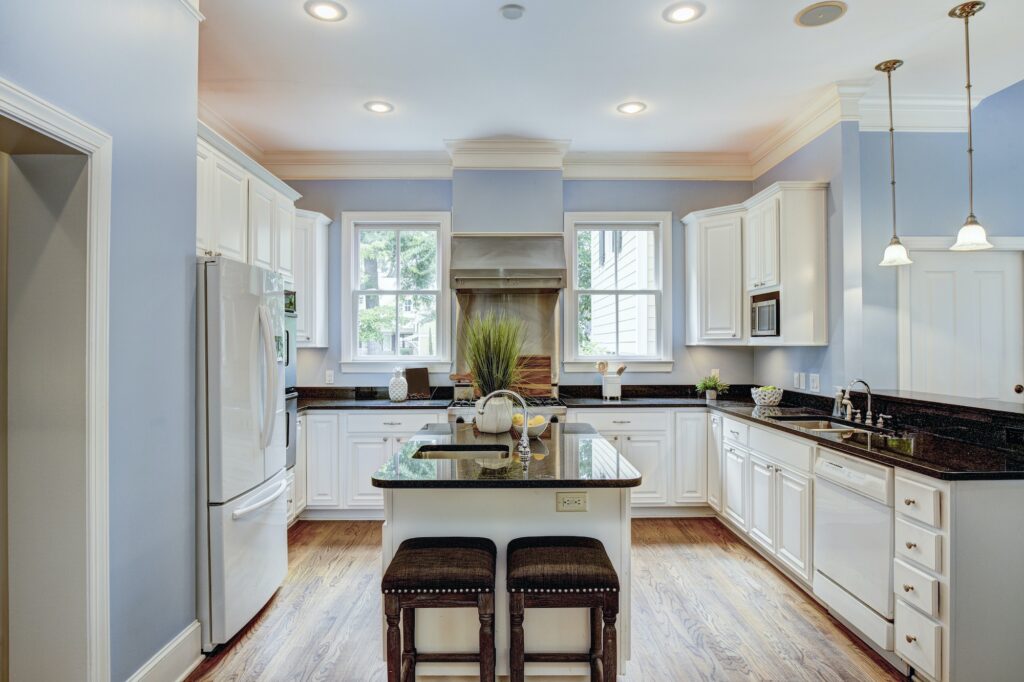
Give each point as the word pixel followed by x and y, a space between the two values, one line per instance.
pixel 243 212
pixel 310 262
pixel 775 242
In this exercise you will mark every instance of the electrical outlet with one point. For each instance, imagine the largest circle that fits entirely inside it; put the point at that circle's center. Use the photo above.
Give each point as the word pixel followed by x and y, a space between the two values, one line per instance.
pixel 796 379
pixel 802 381
pixel 816 383
pixel 329 376
pixel 714 373
pixel 571 502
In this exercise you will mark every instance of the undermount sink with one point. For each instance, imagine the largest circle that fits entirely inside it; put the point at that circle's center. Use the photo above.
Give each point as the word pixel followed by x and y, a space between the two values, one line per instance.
pixel 819 425
pixel 462 451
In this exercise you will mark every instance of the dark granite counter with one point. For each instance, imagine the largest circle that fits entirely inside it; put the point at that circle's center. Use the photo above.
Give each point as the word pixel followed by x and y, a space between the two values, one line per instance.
pixel 646 401
pixel 567 455
pixel 369 404
pixel 924 453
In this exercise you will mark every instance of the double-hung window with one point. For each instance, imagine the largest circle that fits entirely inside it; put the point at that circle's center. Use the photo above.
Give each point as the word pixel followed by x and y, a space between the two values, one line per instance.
pixel 395 298
pixel 619 299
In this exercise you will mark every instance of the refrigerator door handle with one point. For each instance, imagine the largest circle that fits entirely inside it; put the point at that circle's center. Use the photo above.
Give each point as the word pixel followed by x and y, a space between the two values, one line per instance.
pixel 270 360
pixel 245 511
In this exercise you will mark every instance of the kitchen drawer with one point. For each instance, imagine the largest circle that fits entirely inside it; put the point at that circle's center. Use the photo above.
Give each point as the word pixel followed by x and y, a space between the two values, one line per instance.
pixel 918 501
pixel 918 640
pixel 915 587
pixel 389 422
pixel 735 431
pixel 607 421
pixel 795 454
pixel 919 544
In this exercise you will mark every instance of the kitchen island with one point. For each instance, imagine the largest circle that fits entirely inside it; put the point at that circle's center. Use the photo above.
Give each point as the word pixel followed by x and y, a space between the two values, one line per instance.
pixel 447 492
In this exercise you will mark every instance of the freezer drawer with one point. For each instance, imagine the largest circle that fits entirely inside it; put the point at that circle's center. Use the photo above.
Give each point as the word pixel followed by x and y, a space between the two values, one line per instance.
pixel 248 556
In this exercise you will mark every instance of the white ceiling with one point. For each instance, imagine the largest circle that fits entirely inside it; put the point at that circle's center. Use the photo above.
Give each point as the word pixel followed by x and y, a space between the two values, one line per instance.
pixel 456 69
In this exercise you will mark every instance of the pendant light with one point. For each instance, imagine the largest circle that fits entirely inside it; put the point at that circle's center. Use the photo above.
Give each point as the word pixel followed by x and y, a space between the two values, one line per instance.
pixel 972 235
pixel 895 253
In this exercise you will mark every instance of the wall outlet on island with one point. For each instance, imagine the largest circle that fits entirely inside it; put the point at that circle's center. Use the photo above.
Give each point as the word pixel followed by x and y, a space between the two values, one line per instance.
pixel 571 502
pixel 329 376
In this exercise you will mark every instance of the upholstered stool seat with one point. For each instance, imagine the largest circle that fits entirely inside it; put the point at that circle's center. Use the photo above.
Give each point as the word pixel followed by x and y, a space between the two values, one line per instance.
pixel 563 572
pixel 452 572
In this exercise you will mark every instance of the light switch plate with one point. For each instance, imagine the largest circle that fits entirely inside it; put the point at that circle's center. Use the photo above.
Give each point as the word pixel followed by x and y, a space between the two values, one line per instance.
pixel 802 381
pixel 571 502
pixel 714 373
pixel 815 383
pixel 329 376
pixel 796 379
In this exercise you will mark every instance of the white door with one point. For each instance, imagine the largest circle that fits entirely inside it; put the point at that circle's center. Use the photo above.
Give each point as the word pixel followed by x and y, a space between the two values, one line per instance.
pixel 691 455
pixel 323 457
pixel 734 490
pixel 648 452
pixel 966 324
pixel 365 454
pixel 721 261
pixel 261 225
pixel 762 501
pixel 229 188
pixel 715 462
pixel 793 520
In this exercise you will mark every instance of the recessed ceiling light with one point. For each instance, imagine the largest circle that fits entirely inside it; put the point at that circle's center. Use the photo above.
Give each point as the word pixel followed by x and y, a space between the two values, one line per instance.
pixel 631 107
pixel 820 13
pixel 512 11
pixel 379 107
pixel 325 10
pixel 682 12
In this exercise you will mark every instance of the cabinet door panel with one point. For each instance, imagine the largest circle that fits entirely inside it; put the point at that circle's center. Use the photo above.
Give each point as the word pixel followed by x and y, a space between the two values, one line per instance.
pixel 365 455
pixel 301 243
pixel 721 272
pixel 323 457
pixel 206 233
pixel 230 188
pixel 753 233
pixel 649 454
pixel 691 441
pixel 793 521
pixel 762 494
pixel 300 465
pixel 769 245
pixel 715 462
pixel 734 490
pixel 261 225
pixel 284 226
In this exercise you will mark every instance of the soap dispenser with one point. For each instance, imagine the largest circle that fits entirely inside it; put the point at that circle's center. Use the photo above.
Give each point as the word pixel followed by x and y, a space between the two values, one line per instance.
pixel 837 407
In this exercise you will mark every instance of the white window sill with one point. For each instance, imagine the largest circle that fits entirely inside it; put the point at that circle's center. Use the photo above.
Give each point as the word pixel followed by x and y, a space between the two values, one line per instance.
pixel 581 366
pixel 388 366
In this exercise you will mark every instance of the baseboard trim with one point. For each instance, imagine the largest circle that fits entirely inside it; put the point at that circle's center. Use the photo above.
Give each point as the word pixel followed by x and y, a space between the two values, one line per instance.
pixel 692 512
pixel 342 515
pixel 175 660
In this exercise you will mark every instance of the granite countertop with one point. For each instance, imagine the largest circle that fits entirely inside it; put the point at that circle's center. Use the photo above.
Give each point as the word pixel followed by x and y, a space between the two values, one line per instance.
pixel 370 404
pixel 924 453
pixel 645 401
pixel 567 455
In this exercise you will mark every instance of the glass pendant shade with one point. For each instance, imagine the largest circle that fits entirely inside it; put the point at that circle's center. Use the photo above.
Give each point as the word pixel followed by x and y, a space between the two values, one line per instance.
pixel 895 254
pixel 971 237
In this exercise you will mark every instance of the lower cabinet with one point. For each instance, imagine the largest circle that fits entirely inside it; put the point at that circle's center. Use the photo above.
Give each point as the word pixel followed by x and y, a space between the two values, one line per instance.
pixel 323 459
pixel 793 527
pixel 714 465
pixel 734 485
pixel 691 458
pixel 762 501
pixel 365 454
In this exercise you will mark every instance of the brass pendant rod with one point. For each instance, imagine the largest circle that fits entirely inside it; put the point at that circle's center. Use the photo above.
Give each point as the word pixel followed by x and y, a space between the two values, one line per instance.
pixel 892 154
pixel 970 123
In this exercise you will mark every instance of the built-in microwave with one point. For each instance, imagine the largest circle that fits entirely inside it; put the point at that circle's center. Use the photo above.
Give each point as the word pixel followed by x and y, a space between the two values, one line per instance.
pixel 764 314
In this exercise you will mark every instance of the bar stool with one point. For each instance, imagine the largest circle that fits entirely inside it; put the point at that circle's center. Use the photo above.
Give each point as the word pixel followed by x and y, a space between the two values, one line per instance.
pixel 438 573
pixel 563 572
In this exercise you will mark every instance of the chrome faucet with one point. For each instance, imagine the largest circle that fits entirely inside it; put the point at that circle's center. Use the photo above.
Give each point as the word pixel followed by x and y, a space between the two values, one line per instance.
pixel 524 439
pixel 849 404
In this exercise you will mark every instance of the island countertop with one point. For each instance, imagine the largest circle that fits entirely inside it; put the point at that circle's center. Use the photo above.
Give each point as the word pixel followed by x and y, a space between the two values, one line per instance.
pixel 566 455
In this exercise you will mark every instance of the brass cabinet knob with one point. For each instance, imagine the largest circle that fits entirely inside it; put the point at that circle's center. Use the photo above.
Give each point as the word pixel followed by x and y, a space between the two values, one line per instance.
pixel 909 501
pixel 1019 388
pixel 911 545
pixel 911 639
pixel 908 588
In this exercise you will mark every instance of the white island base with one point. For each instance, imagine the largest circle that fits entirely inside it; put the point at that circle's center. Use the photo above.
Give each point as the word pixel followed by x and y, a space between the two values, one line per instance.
pixel 502 515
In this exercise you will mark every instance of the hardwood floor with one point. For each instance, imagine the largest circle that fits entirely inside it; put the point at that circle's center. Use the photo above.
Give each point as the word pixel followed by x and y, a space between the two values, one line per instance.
pixel 705 607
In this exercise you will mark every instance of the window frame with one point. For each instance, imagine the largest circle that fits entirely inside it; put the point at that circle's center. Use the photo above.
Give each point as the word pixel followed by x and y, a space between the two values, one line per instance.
pixel 351 223
pixel 661 221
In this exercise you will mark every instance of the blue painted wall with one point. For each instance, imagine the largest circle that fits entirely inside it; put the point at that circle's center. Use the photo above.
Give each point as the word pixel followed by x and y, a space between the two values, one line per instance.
pixel 130 69
pixel 507 201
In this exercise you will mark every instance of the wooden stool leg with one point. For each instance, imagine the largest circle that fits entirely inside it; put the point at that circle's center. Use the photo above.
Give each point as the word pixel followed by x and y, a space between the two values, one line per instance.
pixel 408 645
pixel 517 648
pixel 611 648
pixel 392 614
pixel 485 607
pixel 596 645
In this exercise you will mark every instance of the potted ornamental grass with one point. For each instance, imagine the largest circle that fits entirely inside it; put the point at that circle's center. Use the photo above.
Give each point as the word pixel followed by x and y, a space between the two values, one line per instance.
pixel 494 346
pixel 711 386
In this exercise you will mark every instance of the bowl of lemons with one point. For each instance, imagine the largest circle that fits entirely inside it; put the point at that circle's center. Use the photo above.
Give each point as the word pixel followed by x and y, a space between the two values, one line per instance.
pixel 538 424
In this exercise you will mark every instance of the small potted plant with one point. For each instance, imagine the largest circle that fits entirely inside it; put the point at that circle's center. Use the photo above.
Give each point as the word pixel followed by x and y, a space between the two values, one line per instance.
pixel 494 346
pixel 711 386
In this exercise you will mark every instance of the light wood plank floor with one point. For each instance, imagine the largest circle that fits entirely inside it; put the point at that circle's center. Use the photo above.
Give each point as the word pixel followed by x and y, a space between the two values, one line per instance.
pixel 705 607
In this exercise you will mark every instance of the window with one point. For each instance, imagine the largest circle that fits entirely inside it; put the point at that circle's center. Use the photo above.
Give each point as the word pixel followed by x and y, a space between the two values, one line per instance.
pixel 619 299
pixel 395 298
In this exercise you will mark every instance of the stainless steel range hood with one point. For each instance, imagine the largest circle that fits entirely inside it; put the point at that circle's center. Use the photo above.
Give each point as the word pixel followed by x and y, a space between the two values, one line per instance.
pixel 523 262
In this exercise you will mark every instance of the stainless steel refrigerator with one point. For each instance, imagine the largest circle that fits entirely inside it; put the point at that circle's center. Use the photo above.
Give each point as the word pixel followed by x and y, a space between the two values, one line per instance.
pixel 240 444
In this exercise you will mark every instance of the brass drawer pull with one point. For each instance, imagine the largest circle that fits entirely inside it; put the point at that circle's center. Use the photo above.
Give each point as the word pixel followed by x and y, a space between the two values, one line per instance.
pixel 911 639
pixel 620 421
pixel 908 588
pixel 911 545
pixel 909 501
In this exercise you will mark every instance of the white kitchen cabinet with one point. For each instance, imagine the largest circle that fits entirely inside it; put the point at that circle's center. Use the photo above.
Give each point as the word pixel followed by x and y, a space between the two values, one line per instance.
pixel 261 224
pixel 714 278
pixel 206 234
pixel 289 495
pixel 762 244
pixel 734 485
pixel 714 461
pixel 229 191
pixel 284 229
pixel 323 450
pixel 793 520
pixel 762 501
pixel 691 457
pixel 648 452
pixel 365 454
pixel 300 465
pixel 310 264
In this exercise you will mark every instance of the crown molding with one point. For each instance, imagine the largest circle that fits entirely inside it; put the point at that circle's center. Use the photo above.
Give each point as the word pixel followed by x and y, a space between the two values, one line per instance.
pixel 192 7
pixel 229 132
pixel 915 114
pixel 656 166
pixel 507 153
pixel 359 165
pixel 839 102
